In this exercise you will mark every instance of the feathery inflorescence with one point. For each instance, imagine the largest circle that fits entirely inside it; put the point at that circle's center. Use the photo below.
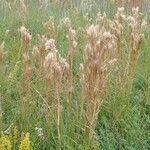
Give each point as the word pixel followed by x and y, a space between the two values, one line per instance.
pixel 110 51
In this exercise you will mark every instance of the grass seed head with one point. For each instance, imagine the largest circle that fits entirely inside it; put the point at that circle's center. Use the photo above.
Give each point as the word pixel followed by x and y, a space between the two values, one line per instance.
pixel 25 35
pixel 50 61
pixel 50 46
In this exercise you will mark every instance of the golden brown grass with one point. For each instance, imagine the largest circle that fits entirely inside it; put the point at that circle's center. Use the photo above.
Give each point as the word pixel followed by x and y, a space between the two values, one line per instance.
pixel 105 50
pixel 111 49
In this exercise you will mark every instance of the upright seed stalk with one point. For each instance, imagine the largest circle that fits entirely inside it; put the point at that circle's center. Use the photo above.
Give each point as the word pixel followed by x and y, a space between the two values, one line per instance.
pixel 95 69
pixel 53 74
pixel 25 41
pixel 72 46
pixel 50 29
pixel 137 26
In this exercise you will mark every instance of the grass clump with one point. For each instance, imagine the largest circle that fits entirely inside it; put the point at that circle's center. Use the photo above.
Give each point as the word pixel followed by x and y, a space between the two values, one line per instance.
pixel 74 84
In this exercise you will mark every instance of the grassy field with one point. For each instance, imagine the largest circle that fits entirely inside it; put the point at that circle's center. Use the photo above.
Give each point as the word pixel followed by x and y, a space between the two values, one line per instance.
pixel 74 75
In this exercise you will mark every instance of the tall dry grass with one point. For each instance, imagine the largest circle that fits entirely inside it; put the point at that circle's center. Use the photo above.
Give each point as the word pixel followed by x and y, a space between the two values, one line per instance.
pixel 110 51
pixel 106 53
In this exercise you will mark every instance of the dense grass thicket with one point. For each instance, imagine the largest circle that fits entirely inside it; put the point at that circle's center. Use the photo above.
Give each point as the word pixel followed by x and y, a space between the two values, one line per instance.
pixel 74 75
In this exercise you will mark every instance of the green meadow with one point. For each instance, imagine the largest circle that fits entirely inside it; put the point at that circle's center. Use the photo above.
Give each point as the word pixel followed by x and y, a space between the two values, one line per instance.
pixel 74 75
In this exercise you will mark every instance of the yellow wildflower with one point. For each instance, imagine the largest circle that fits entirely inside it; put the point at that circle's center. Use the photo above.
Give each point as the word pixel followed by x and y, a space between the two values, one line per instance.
pixel 5 143
pixel 15 134
pixel 25 143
